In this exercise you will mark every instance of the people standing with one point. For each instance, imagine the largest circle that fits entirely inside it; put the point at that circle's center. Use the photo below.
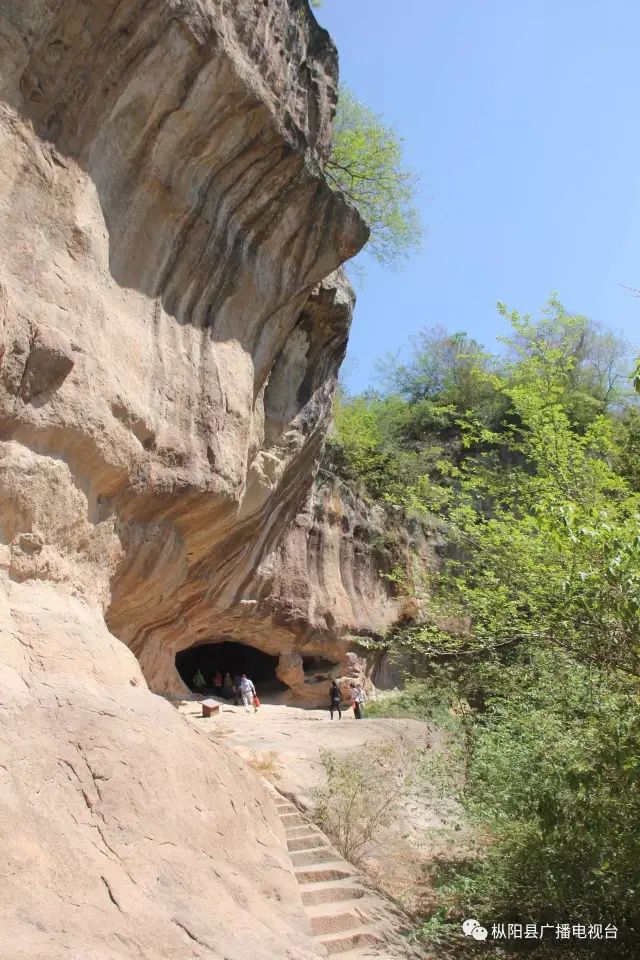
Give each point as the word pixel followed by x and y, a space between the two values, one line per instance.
pixel 358 698
pixel 217 683
pixel 334 700
pixel 248 693
pixel 237 680
pixel 198 680
pixel 361 701
pixel 227 687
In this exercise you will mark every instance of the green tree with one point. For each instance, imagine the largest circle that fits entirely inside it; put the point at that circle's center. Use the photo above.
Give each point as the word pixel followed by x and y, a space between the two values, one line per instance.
pixel 547 533
pixel 355 447
pixel 596 377
pixel 551 782
pixel 537 604
pixel 366 164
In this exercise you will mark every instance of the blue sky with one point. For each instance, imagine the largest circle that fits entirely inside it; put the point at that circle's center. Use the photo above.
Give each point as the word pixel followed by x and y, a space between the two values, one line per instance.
pixel 520 116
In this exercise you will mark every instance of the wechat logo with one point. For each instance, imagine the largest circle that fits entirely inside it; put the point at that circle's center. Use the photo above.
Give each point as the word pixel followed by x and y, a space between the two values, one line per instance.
pixel 472 928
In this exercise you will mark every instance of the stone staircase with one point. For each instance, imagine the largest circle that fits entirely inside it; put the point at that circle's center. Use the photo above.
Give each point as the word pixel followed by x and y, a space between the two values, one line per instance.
pixel 348 916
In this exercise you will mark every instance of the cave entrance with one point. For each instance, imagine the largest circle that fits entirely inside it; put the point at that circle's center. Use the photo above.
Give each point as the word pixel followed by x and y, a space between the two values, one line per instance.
pixel 229 657
pixel 317 668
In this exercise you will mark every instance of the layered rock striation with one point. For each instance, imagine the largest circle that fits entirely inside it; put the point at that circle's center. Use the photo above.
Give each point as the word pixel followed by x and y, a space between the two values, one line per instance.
pixel 168 337
pixel 327 585
pixel 172 318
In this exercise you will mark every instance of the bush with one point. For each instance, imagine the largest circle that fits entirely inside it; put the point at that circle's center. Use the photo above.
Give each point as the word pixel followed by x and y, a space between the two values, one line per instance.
pixel 267 764
pixel 553 780
pixel 549 779
pixel 362 792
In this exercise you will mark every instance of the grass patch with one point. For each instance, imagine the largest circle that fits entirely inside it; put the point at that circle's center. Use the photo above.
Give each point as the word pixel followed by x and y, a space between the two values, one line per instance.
pixel 266 764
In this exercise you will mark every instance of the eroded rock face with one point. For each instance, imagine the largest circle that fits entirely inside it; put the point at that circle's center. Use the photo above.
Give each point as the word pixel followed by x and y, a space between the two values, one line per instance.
pixel 125 832
pixel 213 597
pixel 168 350
pixel 324 585
pixel 168 231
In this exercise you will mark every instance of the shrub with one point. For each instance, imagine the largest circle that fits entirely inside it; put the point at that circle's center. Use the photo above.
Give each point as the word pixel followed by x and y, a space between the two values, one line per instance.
pixel 362 792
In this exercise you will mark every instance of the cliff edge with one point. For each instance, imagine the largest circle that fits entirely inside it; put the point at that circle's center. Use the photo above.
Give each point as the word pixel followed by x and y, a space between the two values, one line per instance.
pixel 171 325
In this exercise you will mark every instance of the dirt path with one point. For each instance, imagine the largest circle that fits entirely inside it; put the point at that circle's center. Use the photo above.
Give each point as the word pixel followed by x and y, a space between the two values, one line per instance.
pixel 294 736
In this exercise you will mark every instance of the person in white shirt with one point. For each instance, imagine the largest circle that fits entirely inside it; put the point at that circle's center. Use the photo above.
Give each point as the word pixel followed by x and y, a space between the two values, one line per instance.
pixel 248 692
pixel 358 697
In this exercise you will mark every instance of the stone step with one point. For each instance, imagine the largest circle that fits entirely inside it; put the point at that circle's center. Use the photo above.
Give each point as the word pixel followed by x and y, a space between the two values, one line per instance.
pixel 342 942
pixel 306 858
pixel 365 909
pixel 332 892
pixel 299 829
pixel 335 923
pixel 310 842
pixel 302 830
pixel 323 874
pixel 347 918
pixel 293 820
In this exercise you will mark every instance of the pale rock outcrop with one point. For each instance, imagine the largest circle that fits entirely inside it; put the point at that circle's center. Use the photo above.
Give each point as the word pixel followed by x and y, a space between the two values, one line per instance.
pixel 165 329
pixel 168 352
pixel 161 336
pixel 308 600
pixel 125 832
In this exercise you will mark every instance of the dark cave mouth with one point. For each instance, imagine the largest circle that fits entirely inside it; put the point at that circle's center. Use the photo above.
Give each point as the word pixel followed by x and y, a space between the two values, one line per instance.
pixel 228 657
pixel 318 668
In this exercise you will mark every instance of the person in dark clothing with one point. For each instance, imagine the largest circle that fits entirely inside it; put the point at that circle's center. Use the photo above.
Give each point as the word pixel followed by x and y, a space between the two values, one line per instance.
pixel 334 700
pixel 227 688
pixel 217 683
pixel 237 692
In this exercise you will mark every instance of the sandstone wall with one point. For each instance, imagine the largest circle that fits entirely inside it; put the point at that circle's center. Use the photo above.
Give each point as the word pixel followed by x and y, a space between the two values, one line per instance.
pixel 126 833
pixel 169 343
pixel 161 339
pixel 309 599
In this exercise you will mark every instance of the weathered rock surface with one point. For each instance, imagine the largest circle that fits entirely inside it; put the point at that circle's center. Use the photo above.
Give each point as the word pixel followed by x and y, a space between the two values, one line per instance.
pixel 168 350
pixel 125 833
pixel 167 335
pixel 286 742
pixel 308 600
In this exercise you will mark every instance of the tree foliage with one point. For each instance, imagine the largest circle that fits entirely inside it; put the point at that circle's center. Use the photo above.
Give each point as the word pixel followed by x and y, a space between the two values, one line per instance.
pixel 366 163
pixel 451 400
pixel 536 609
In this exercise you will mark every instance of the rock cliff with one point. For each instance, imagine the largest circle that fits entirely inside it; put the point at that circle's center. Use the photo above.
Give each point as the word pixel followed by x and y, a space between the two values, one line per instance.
pixel 172 318
pixel 326 583
pixel 169 341
pixel 125 833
